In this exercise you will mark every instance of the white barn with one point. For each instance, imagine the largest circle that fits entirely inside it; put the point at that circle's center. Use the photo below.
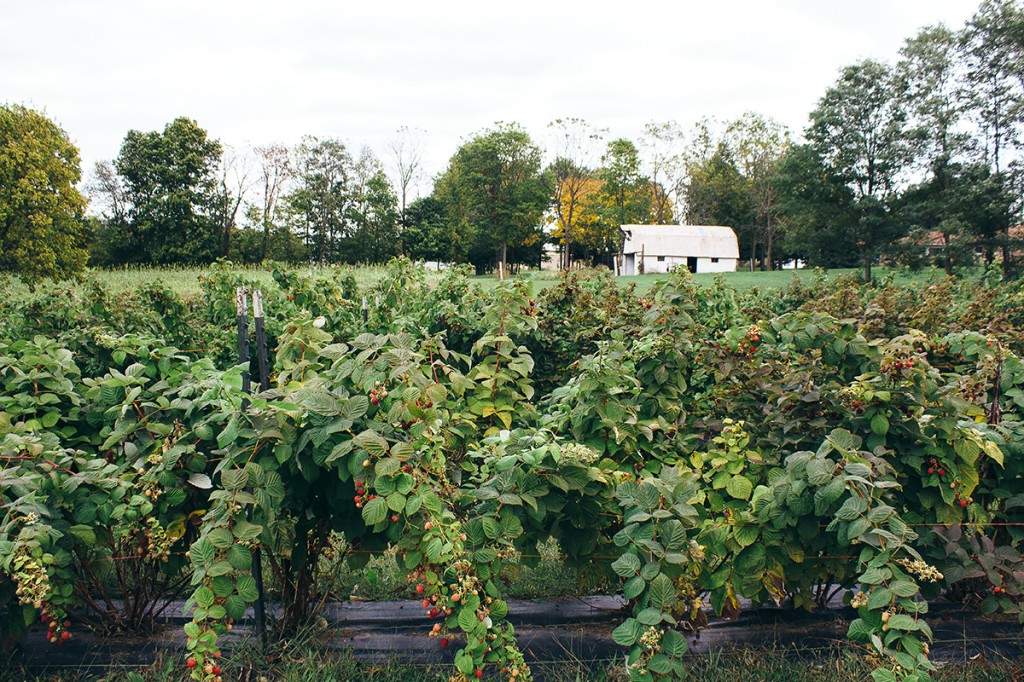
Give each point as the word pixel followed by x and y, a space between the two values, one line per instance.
pixel 659 248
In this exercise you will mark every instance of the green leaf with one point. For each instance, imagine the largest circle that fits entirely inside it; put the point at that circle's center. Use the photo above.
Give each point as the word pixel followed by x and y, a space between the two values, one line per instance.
pixel 628 633
pixel 229 434
pixel 859 631
pixel 739 487
pixel 901 621
pixel 374 445
pixel 649 616
pixel 660 664
pixel 387 466
pixel 240 557
pixel 746 534
pixel 879 424
pixel 234 479
pixel 662 593
pixel 491 528
pixel 627 565
pixel 204 597
pixel 904 588
pixel 201 552
pixel 468 621
pixel 673 643
pixel 223 586
pixel 464 663
pixel 883 675
pixel 375 511
pixel 879 598
pixel 246 588
pixel 851 509
pixel 221 538
pixel 235 606
pixel 634 587
pixel 499 610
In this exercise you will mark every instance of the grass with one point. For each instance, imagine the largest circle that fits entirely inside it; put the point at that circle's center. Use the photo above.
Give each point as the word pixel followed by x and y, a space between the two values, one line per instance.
pixel 185 280
pixel 383 579
pixel 319 664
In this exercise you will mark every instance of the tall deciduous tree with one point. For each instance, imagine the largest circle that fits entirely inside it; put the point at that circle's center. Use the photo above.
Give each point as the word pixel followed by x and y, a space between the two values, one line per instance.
pixel 818 209
pixel 42 230
pixel 758 145
pixel 931 71
pixel 574 142
pixel 494 189
pixel 170 184
pixel 374 214
pixel 624 184
pixel 276 167
pixel 233 177
pixel 405 152
pixel 717 193
pixel 993 45
pixel 858 129
pixel 665 164
pixel 320 202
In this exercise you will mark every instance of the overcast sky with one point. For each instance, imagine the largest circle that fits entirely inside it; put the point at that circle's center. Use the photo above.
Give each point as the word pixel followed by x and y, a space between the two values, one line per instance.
pixel 255 72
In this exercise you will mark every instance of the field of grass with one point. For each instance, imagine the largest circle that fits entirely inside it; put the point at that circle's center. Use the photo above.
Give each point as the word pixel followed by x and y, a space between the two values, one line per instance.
pixel 186 280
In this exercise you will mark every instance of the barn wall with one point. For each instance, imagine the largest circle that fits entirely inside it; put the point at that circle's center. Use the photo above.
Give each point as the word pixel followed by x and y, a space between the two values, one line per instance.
pixel 723 265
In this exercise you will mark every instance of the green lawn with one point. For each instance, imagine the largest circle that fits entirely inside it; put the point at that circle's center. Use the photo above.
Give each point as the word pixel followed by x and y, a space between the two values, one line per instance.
pixel 185 280
pixel 742 279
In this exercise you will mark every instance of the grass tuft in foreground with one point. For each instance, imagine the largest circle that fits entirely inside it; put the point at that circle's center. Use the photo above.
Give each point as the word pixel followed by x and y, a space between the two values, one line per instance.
pixel 315 664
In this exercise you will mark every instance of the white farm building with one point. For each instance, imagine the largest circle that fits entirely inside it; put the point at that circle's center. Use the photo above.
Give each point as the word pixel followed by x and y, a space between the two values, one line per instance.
pixel 650 249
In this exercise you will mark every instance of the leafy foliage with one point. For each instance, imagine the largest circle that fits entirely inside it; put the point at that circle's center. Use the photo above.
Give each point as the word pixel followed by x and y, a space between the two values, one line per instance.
pixel 694 447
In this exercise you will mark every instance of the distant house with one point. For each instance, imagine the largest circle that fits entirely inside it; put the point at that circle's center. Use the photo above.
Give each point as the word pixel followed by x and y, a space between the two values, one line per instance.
pixel 659 248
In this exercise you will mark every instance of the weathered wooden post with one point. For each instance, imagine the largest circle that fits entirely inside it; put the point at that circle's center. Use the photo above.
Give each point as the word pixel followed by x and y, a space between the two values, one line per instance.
pixel 259 609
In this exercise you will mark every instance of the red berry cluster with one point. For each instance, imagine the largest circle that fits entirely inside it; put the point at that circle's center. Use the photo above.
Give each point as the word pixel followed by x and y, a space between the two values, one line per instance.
pixel 378 393
pixel 57 632
pixel 361 497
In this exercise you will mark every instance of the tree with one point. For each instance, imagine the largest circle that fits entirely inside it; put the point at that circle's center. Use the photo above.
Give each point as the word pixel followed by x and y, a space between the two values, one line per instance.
pixel 494 190
pixel 624 184
pixel 929 69
pixel 817 208
pixel 106 193
pixel 717 193
pixel 373 214
pixel 427 235
pixel 170 185
pixel 233 182
pixel 993 47
pixel 758 145
pixel 406 152
pixel 666 168
pixel 42 226
pixel 319 205
pixel 572 172
pixel 276 167
pixel 858 131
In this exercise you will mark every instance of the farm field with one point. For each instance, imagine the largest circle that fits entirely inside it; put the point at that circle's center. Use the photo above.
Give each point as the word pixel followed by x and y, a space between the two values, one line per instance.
pixel 688 444
pixel 185 281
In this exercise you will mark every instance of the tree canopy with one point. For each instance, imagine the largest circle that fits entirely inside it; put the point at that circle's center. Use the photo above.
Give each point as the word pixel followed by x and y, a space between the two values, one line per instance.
pixel 42 230
pixel 170 189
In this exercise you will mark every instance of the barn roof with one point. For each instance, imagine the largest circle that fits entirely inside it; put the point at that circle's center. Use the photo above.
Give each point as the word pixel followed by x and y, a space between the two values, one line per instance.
pixel 706 241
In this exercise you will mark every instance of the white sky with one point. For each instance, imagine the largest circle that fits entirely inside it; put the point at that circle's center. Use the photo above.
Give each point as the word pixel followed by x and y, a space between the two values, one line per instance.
pixel 256 72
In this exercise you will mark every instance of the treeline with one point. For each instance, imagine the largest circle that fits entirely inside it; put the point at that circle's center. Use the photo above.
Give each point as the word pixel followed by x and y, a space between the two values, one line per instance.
pixel 913 162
